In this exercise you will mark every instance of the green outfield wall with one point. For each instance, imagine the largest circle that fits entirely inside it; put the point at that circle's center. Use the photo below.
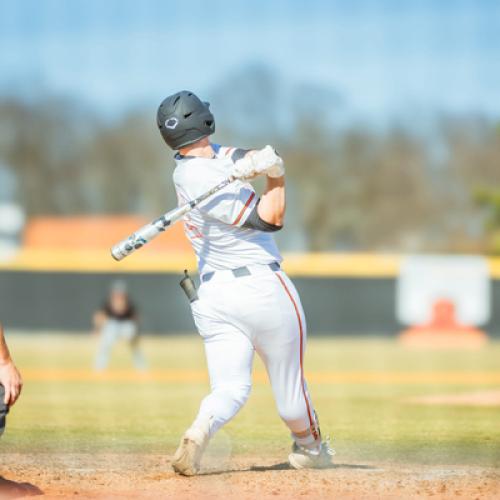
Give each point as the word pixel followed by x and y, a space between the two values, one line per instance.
pixel 66 301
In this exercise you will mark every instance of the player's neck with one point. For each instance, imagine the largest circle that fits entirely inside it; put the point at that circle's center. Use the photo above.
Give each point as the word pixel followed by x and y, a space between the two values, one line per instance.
pixel 202 148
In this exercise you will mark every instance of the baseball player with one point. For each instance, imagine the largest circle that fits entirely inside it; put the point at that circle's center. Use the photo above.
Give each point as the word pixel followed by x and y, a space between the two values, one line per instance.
pixel 246 302
pixel 116 320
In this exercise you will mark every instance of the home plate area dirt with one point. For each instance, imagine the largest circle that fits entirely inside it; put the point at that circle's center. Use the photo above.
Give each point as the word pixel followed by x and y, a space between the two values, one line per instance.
pixel 150 476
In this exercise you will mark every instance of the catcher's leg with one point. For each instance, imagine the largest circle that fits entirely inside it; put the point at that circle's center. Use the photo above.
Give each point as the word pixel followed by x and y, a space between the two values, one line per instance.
pixel 138 356
pixel 229 356
pixel 129 331
pixel 4 409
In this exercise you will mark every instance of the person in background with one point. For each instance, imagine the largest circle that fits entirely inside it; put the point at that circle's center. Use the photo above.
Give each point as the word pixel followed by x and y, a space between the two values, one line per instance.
pixel 117 319
pixel 11 384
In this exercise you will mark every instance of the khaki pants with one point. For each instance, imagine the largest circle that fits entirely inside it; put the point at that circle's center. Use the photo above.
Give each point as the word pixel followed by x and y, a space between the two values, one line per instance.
pixel 112 332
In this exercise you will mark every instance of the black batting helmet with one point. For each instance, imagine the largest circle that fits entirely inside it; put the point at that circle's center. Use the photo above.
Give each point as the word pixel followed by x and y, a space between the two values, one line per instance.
pixel 184 119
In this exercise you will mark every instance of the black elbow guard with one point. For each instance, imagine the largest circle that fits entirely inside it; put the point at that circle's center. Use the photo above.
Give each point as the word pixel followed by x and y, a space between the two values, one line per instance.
pixel 254 221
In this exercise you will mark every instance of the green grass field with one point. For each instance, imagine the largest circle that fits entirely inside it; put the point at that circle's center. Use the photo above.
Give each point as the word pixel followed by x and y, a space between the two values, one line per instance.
pixel 361 389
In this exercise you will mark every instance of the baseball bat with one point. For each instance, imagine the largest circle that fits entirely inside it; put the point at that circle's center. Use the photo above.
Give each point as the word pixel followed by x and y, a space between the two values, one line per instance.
pixel 150 231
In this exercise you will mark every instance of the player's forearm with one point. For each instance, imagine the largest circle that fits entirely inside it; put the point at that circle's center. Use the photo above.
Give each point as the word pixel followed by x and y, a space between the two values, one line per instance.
pixel 272 207
pixel 4 350
pixel 99 319
pixel 10 377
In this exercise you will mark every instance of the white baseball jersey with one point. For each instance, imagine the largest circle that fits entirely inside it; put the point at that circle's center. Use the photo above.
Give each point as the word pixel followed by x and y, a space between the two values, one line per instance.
pixel 214 228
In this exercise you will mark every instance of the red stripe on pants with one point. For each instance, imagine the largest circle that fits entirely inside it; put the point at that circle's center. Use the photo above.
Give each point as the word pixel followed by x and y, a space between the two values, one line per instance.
pixel 301 333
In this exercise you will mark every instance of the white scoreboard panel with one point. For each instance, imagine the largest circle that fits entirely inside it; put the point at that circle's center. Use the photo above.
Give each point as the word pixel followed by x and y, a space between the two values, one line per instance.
pixel 463 280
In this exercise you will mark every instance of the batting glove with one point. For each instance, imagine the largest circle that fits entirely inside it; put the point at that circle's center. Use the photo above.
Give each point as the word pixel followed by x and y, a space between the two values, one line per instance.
pixel 264 161
pixel 269 162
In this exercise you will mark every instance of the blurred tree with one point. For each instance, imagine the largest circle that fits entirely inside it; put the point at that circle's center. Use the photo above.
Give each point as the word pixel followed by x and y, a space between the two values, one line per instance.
pixel 359 191
pixel 247 105
pixel 349 188
pixel 474 176
pixel 489 199
pixel 69 162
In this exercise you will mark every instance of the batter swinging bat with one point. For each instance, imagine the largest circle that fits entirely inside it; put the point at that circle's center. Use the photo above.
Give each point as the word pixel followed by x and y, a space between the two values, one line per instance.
pixel 146 233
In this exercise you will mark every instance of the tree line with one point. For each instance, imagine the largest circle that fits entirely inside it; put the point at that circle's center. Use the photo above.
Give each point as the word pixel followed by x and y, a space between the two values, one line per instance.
pixel 351 187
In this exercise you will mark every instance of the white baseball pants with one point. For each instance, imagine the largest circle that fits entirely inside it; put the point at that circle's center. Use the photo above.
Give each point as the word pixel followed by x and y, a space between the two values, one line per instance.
pixel 239 315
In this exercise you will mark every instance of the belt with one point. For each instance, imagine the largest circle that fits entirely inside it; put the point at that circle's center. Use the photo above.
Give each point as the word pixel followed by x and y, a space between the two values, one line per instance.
pixel 239 272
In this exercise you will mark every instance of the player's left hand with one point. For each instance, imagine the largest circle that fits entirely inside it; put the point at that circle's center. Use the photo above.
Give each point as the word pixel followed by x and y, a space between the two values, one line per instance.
pixel 269 162
pixel 12 382
pixel 264 161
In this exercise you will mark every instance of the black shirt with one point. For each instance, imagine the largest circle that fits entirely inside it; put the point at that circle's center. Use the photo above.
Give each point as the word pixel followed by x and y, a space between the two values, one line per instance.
pixel 126 315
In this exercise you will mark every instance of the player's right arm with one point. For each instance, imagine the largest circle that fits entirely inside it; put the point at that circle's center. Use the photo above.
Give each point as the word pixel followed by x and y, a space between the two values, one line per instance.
pixel 269 213
pixel 10 377
pixel 271 207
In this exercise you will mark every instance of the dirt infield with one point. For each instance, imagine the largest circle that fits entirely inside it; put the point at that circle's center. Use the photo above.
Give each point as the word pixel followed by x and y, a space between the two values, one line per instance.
pixel 150 476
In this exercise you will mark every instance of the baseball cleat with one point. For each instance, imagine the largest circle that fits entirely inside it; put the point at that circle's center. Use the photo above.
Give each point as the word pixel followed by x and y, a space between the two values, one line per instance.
pixel 304 458
pixel 187 458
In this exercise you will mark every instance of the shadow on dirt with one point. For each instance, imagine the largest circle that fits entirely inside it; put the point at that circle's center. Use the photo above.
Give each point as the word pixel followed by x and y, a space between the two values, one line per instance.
pixel 11 489
pixel 284 466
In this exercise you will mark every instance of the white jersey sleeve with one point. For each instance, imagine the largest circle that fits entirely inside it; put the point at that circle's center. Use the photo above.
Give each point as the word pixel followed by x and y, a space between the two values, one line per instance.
pixel 232 205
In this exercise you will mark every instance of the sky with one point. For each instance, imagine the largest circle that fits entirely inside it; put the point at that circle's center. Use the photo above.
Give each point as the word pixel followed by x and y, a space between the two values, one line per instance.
pixel 383 57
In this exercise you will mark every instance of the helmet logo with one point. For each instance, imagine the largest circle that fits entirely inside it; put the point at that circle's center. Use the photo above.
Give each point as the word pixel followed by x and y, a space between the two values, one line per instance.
pixel 171 123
